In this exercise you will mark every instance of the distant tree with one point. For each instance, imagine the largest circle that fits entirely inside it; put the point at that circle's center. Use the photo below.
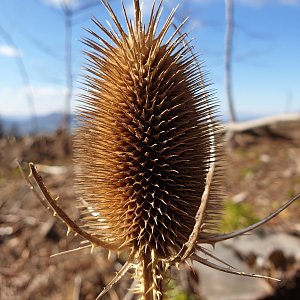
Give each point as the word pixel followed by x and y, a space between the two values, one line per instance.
pixel 25 78
pixel 69 14
pixel 14 130
pixel 228 58
pixel 2 131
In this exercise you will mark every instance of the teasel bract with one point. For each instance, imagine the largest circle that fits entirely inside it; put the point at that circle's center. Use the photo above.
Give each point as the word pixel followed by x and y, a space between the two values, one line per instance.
pixel 147 152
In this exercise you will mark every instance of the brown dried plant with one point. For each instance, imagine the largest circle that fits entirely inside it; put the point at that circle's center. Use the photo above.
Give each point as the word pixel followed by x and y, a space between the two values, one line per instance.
pixel 147 153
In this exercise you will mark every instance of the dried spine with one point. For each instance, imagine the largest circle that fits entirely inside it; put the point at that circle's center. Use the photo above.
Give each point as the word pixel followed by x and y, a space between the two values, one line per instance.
pixel 146 153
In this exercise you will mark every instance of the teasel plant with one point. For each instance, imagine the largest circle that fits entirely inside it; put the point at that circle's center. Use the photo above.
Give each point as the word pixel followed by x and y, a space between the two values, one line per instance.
pixel 147 153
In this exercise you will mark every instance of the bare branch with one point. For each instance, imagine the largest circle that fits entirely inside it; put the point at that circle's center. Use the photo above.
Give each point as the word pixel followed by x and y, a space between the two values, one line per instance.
pixel 228 58
pixel 253 124
pixel 68 67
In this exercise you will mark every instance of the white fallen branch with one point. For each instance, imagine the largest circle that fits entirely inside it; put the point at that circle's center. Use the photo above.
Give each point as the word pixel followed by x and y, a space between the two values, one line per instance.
pixel 259 123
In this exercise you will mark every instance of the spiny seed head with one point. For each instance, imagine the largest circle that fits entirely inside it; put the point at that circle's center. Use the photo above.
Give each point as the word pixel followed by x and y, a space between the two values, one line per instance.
pixel 146 138
pixel 146 154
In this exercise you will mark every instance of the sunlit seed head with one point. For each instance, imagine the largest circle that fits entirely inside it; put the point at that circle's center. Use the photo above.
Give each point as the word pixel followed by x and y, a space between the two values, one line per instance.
pixel 146 137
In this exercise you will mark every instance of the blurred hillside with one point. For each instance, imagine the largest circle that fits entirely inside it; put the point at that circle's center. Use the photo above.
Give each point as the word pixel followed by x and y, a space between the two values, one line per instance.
pixel 49 123
pixel 23 125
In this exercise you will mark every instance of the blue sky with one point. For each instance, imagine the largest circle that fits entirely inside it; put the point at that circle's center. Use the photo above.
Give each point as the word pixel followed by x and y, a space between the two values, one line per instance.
pixel 266 66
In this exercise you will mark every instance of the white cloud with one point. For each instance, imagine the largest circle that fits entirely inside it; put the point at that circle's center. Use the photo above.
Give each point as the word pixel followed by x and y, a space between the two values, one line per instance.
pixel 46 91
pixel 47 99
pixel 59 3
pixel 6 50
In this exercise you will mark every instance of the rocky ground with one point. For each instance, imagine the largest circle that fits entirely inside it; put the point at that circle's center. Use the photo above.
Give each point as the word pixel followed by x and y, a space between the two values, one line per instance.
pixel 263 171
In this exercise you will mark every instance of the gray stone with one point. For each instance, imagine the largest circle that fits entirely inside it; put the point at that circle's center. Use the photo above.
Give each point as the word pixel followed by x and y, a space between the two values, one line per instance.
pixel 216 285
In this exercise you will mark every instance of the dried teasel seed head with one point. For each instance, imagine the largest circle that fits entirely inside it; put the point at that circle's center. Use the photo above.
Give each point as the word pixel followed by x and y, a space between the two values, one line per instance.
pixel 147 154
pixel 146 140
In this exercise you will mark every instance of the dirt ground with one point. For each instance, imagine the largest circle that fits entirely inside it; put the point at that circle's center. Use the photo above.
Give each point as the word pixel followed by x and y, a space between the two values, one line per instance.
pixel 263 170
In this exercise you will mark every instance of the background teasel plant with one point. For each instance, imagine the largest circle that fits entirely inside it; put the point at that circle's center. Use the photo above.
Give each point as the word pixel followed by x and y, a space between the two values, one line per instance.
pixel 147 153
